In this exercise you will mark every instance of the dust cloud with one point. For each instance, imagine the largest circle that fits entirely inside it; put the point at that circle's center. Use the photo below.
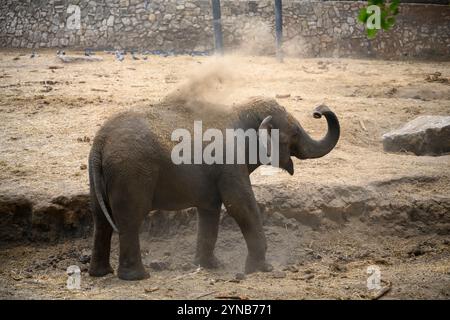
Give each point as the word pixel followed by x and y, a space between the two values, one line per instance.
pixel 209 85
pixel 217 84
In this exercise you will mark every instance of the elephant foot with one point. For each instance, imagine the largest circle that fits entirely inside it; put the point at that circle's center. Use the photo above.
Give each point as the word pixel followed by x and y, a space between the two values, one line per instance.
pixel 254 265
pixel 132 274
pixel 208 262
pixel 96 271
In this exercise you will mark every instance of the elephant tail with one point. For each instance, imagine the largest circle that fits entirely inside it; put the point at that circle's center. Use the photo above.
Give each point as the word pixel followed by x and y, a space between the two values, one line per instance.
pixel 95 167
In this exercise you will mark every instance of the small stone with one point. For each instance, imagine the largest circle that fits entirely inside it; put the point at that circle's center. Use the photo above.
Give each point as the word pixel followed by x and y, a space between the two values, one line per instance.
pixel 188 266
pixel 110 21
pixel 416 251
pixel 307 277
pixel 291 268
pixel 282 95
pixel 83 167
pixel 158 265
pixel 337 267
pixel 278 274
pixel 126 21
pixel 190 5
pixel 85 257
pixel 239 276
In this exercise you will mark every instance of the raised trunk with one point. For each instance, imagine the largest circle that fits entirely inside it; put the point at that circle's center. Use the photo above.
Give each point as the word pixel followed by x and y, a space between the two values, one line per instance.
pixel 309 148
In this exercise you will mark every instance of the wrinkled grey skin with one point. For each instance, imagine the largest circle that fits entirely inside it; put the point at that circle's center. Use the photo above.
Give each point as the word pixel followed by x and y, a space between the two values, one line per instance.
pixel 131 173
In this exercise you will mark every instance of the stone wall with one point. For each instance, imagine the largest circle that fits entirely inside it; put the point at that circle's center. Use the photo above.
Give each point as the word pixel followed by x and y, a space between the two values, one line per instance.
pixel 311 28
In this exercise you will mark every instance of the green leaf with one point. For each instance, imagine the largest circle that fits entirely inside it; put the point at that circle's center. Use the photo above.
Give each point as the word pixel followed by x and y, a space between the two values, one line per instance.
pixel 395 3
pixel 393 6
pixel 384 24
pixel 371 33
pixel 363 16
pixel 390 22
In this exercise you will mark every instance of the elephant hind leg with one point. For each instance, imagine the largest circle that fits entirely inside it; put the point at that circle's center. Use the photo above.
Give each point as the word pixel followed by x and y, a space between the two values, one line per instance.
pixel 131 200
pixel 130 262
pixel 100 265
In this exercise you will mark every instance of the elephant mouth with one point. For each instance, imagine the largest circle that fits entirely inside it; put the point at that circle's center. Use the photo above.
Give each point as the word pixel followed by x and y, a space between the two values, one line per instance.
pixel 288 166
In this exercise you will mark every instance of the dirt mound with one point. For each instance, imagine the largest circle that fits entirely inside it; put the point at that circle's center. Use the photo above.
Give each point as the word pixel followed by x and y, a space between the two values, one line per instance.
pixel 393 207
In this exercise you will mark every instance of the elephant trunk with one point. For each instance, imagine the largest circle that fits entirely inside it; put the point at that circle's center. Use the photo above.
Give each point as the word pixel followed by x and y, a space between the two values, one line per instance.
pixel 308 148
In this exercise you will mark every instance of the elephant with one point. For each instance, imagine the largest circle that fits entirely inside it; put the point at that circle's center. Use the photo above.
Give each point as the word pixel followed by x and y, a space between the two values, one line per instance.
pixel 131 173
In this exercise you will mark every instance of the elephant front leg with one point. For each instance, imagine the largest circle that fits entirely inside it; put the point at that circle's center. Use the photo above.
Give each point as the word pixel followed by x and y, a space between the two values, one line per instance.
pixel 240 202
pixel 208 228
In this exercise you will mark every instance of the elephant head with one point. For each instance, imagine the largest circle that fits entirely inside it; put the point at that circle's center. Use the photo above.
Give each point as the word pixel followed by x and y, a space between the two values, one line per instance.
pixel 294 141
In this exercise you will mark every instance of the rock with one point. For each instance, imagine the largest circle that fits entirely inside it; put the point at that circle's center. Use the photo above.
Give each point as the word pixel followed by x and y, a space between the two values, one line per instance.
pixel 278 219
pixel 70 59
pixel 278 274
pixel 291 268
pixel 126 21
pixel 158 265
pixel 436 77
pixel 239 276
pixel 282 95
pixel 85 257
pixel 187 266
pixel 425 135
pixel 110 21
pixel 305 277
pixel 337 267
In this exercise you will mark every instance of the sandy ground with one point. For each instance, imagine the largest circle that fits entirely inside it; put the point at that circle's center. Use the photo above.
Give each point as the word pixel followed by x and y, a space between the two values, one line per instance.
pixel 50 111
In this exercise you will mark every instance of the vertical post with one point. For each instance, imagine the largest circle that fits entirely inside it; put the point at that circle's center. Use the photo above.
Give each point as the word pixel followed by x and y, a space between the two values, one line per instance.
pixel 279 28
pixel 217 23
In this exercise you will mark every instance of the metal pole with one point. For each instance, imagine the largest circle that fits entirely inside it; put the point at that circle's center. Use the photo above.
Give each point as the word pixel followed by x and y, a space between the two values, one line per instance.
pixel 217 23
pixel 279 28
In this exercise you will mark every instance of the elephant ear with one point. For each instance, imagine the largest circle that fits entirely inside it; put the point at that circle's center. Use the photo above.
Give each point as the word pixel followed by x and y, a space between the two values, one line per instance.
pixel 264 133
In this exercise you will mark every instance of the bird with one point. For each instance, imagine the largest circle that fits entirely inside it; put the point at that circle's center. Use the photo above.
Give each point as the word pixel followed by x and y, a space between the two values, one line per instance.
pixel 60 53
pixel 119 56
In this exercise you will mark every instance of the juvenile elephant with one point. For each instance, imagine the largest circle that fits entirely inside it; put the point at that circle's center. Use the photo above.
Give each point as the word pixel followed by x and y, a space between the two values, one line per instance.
pixel 131 173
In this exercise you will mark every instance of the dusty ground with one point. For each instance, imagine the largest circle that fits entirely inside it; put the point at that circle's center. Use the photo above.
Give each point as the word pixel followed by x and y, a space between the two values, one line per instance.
pixel 354 208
